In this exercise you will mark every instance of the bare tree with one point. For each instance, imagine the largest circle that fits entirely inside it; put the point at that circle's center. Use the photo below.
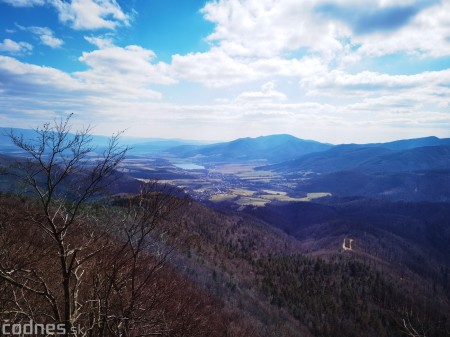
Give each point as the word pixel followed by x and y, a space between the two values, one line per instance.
pixel 132 279
pixel 100 267
pixel 63 171
pixel 409 328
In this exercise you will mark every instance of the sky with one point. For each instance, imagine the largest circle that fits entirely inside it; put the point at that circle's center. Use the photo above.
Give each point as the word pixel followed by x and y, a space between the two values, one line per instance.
pixel 340 71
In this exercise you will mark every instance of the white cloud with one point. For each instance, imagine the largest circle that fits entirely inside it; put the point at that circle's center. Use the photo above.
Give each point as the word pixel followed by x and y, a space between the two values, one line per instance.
pixel 45 35
pixel 254 41
pixel 213 69
pixel 259 39
pixel 433 84
pixel 14 47
pixel 388 3
pixel 51 41
pixel 101 42
pixel 216 68
pixel 299 68
pixel 425 36
pixel 15 72
pixel 91 14
pixel 125 71
pixel 267 28
pixel 34 91
pixel 266 94
pixel 279 34
pixel 82 14
pixel 121 73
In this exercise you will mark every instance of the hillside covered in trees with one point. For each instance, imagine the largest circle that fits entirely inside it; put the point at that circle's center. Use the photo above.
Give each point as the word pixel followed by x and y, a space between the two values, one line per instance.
pixel 95 252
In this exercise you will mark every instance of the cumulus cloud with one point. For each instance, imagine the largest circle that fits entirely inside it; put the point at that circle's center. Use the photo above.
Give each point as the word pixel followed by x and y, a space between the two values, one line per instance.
pixel 267 93
pixel 100 42
pixel 14 47
pixel 15 72
pixel 82 14
pixel 323 57
pixel 43 91
pixel 425 36
pixel 373 17
pixel 45 35
pixel 255 40
pixel 91 14
pixel 336 32
pixel 216 68
pixel 370 83
pixel 213 69
pixel 125 71
pixel 266 28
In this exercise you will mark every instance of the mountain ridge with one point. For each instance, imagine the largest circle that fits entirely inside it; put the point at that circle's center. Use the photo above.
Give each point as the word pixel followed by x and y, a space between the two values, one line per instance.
pixel 273 148
pixel 368 159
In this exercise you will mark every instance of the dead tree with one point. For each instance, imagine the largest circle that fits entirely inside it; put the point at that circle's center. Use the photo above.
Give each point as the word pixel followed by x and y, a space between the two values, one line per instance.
pixel 62 170
pixel 98 266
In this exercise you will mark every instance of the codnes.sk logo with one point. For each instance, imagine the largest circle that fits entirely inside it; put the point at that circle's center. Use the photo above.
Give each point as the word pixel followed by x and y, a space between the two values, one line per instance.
pixel 32 328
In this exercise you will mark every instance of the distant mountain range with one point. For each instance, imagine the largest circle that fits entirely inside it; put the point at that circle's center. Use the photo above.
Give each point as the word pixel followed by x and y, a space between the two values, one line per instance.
pixel 415 169
pixel 138 146
pixel 407 144
pixel 370 159
pixel 274 148
pixel 288 152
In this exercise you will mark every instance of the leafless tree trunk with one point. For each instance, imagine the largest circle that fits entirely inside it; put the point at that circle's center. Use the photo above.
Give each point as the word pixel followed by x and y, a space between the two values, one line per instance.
pixel 100 267
pixel 409 328
pixel 62 170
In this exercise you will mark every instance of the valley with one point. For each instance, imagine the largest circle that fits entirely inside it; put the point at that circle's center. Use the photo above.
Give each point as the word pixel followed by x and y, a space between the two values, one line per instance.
pixel 315 241
pixel 239 184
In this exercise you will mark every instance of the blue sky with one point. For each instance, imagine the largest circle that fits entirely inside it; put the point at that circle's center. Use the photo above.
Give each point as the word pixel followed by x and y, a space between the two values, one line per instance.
pixel 337 71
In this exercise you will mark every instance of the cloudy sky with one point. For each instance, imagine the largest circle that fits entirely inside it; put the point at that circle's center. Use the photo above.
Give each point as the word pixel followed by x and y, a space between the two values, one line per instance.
pixel 338 71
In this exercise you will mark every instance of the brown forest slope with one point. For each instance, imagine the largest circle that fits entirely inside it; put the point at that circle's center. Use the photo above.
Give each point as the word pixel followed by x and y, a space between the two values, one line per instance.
pixel 230 274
